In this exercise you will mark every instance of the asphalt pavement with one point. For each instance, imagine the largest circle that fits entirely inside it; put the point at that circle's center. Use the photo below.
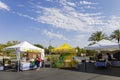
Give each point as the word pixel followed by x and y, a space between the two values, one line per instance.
pixel 90 73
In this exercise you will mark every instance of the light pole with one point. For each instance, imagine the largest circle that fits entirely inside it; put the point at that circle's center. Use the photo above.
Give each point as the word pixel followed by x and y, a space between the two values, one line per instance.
pixel 50 53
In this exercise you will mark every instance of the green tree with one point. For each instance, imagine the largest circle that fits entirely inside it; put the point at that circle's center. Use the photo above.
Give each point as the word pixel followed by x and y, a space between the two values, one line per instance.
pixel 46 51
pixel 91 52
pixel 11 43
pixel 49 48
pixel 39 45
pixel 116 35
pixel 80 51
pixel 97 36
pixel 1 48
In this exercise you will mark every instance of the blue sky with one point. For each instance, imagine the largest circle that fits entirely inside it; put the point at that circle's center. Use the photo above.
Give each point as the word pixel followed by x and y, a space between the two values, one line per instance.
pixel 54 22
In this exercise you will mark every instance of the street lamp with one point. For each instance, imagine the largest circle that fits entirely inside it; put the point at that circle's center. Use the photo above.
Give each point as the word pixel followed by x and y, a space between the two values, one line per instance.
pixel 50 52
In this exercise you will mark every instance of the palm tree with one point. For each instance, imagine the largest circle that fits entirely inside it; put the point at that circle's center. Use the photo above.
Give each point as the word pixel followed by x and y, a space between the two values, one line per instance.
pixel 116 35
pixel 97 36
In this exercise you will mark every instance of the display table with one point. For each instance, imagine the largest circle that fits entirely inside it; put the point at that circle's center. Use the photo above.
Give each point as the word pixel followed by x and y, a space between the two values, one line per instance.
pixel 27 66
pixel 116 63
pixel 67 63
pixel 1 67
pixel 100 64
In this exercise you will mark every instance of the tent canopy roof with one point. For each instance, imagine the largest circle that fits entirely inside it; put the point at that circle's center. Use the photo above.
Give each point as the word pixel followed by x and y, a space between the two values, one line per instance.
pixel 103 44
pixel 24 47
pixel 63 48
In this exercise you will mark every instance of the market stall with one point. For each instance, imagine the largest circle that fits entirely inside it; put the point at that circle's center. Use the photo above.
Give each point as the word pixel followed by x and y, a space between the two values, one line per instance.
pixel 30 50
pixel 67 53
pixel 104 45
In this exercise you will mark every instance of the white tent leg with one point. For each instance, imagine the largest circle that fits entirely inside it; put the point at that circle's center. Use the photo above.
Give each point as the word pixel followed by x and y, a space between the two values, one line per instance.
pixel 18 60
pixel 18 66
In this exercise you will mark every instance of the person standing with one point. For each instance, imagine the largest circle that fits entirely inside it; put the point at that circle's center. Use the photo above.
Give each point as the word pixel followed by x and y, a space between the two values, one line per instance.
pixel 24 58
pixel 109 59
pixel 38 62
pixel 99 56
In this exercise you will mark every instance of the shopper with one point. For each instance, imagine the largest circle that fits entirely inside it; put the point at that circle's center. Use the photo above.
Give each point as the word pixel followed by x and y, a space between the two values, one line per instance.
pixel 38 62
pixel 109 59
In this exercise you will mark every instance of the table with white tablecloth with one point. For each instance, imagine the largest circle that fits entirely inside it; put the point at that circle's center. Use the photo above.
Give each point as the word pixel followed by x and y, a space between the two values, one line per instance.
pixel 27 66
pixel 1 68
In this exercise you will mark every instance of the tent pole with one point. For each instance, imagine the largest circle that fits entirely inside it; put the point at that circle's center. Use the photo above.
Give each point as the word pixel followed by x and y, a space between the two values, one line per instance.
pixel 118 46
pixel 18 66
pixel 18 60
pixel 3 60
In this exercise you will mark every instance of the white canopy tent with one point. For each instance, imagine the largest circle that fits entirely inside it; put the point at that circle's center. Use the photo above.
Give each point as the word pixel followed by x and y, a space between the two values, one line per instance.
pixel 24 47
pixel 103 45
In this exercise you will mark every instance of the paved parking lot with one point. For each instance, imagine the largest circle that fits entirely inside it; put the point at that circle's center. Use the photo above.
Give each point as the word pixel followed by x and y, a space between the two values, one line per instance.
pixel 91 73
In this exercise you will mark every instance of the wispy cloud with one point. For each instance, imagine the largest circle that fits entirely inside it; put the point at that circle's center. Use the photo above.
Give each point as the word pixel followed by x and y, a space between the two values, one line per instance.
pixel 55 35
pixel 89 7
pixel 67 3
pixel 80 17
pixel 87 3
pixel 112 24
pixel 24 15
pixel 69 20
pixel 4 6
pixel 66 17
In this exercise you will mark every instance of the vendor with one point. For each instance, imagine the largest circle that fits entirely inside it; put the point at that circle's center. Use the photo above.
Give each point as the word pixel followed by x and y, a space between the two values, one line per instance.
pixel 38 61
pixel 99 56
pixel 24 58
pixel 109 59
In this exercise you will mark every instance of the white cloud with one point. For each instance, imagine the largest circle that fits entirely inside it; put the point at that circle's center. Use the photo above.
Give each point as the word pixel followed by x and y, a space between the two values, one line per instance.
pixel 68 17
pixel 68 20
pixel 69 8
pixel 71 4
pixel 55 35
pixel 112 24
pixel 86 3
pixel 4 6
pixel 89 7
pixel 24 15
pixel 67 3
